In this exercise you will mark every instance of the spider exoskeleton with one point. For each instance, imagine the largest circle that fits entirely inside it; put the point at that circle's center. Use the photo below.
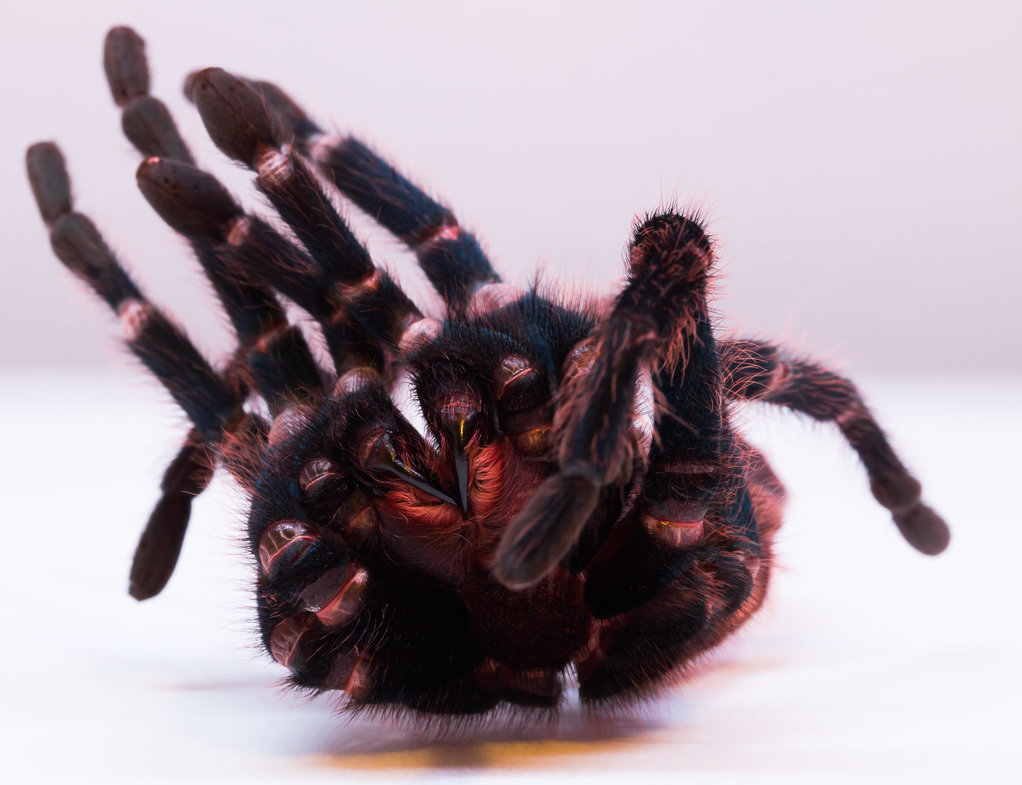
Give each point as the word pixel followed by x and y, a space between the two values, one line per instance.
pixel 577 503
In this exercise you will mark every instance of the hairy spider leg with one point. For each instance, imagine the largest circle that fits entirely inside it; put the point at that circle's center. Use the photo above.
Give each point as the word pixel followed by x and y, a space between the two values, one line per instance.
pixel 681 564
pixel 209 402
pixel 351 286
pixel 159 545
pixel 387 459
pixel 252 309
pixel 161 345
pixel 450 256
pixel 354 289
pixel 247 128
pixel 689 463
pixel 657 315
pixel 760 371
pixel 667 591
pixel 272 355
pixel 232 246
pixel 195 204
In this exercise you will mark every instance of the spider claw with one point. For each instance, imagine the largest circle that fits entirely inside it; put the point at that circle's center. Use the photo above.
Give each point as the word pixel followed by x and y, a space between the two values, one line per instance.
pixel 461 469
pixel 286 639
pixel 382 456
pixel 341 605
pixel 350 672
pixel 460 418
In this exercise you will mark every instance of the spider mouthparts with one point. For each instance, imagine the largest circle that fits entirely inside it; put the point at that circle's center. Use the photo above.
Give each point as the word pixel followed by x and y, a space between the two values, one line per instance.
pixel 461 469
pixel 382 456
pixel 460 417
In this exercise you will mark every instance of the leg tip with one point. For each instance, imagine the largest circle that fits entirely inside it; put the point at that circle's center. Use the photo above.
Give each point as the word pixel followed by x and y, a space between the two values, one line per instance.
pixel 125 64
pixel 923 529
pixel 544 531
pixel 235 114
pixel 47 175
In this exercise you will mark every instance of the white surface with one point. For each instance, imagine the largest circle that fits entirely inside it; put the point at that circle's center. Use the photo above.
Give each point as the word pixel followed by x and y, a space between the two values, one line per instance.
pixel 859 160
pixel 868 662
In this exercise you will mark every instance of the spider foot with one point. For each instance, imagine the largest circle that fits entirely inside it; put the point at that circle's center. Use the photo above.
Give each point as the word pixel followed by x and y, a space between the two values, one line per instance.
pixel 545 530
pixel 923 529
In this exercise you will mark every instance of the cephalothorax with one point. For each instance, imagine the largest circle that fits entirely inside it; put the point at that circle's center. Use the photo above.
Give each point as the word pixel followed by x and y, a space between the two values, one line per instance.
pixel 578 500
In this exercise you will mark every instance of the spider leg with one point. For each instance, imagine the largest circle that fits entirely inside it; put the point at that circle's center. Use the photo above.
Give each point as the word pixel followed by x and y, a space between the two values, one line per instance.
pixel 677 507
pixel 450 256
pixel 658 319
pixel 194 203
pixel 272 355
pixel 161 346
pixel 688 562
pixel 763 372
pixel 348 284
pixel 252 309
pixel 211 401
pixel 197 206
pixel 234 248
pixel 160 544
pixel 664 602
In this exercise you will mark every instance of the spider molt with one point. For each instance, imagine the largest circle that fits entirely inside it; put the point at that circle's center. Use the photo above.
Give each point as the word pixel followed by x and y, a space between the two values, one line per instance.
pixel 577 504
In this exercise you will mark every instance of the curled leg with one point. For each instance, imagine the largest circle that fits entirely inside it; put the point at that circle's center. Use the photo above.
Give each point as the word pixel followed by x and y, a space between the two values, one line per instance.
pixel 359 546
pixel 664 607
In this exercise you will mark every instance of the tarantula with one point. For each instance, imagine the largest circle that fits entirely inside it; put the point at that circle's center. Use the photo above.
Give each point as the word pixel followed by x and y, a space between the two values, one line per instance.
pixel 577 500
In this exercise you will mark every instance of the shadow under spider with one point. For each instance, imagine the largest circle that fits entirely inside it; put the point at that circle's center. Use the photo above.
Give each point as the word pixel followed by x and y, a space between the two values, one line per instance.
pixel 511 739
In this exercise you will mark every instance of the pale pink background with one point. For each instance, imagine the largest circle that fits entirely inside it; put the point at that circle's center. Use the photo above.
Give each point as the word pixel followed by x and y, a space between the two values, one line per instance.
pixel 859 162
pixel 861 166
